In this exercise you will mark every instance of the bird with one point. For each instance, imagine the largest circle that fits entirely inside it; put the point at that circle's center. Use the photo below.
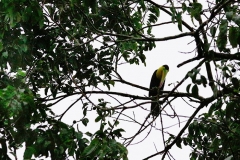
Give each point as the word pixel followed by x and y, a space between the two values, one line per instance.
pixel 157 84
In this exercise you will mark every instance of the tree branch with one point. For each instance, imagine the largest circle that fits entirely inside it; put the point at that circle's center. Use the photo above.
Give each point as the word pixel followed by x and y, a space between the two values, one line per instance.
pixel 169 13
pixel 205 102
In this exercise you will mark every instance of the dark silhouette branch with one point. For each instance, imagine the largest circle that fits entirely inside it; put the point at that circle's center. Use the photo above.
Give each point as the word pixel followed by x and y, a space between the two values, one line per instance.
pixel 219 56
pixel 205 102
pixel 169 13
pixel 60 118
pixel 188 61
pixel 199 43
pixel 186 76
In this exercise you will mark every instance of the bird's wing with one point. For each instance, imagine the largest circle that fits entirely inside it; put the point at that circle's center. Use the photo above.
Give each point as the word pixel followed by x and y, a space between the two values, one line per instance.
pixel 162 86
pixel 154 84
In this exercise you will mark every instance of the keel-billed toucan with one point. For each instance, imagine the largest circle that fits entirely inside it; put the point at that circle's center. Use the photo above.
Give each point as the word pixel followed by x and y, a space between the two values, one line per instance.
pixel 156 85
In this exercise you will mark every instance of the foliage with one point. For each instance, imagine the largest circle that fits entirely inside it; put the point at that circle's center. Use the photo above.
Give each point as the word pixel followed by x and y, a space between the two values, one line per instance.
pixel 52 43
pixel 66 47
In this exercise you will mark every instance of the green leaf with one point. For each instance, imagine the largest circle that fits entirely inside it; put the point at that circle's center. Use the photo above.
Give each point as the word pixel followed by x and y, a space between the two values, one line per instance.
pixel 29 152
pixel 191 130
pixel 152 18
pixel 178 143
pixel 112 82
pixel 235 83
pixel 195 90
pixel 142 4
pixel 193 156
pixel 196 10
pixel 214 145
pixel 184 7
pixel 173 10
pixel 21 73
pixel 117 132
pixel 230 110
pixel 116 123
pixel 149 31
pixel 222 36
pixel 179 20
pixel 233 36
pixel 89 150
pixel 155 10
pixel 219 104
pixel 236 19
pixel 85 121
pixel 5 54
pixel 1 46
pixel 98 118
pixel 46 144
pixel 89 134
pixel 188 88
pixel 229 15
pixel 211 109
pixel 213 30
pixel 204 80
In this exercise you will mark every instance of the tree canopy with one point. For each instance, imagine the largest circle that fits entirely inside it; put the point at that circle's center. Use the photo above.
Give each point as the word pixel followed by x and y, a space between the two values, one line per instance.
pixel 53 50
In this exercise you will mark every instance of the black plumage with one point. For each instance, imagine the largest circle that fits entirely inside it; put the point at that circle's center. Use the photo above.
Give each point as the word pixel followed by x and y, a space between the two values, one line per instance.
pixel 155 88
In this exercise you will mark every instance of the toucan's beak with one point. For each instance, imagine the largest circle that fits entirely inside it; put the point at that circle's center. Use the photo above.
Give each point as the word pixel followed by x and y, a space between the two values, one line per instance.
pixel 164 73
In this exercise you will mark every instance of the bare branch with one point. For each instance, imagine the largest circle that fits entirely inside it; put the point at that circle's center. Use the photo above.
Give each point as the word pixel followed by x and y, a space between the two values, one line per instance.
pixel 203 103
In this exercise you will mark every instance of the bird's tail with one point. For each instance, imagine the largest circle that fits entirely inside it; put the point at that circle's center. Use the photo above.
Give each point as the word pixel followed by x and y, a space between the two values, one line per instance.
pixel 155 108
